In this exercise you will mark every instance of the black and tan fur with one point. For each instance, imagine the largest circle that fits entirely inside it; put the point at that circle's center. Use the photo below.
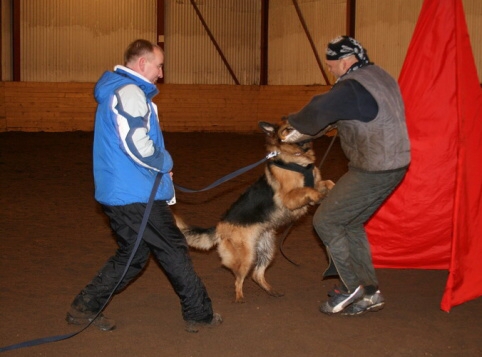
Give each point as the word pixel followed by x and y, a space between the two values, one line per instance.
pixel 245 235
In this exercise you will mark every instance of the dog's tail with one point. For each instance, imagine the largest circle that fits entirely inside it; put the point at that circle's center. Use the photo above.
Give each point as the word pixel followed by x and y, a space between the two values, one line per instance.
pixel 197 237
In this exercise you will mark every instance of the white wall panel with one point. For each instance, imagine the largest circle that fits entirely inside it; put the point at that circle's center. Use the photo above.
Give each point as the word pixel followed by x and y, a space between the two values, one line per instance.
pixel 76 40
pixel 385 29
pixel 473 16
pixel 291 58
pixel 191 56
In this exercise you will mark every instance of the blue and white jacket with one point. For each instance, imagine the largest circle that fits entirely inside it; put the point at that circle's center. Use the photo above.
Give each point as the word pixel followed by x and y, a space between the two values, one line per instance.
pixel 128 143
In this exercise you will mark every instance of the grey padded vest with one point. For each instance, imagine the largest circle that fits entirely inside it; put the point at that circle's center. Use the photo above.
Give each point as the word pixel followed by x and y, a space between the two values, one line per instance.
pixel 381 144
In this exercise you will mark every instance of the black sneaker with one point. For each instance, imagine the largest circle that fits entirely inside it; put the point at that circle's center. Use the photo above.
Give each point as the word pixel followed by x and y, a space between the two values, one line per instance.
pixel 194 326
pixel 103 323
pixel 339 299
pixel 373 302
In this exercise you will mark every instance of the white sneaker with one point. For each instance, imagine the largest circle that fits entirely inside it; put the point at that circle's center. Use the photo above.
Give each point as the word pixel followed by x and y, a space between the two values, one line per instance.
pixel 372 303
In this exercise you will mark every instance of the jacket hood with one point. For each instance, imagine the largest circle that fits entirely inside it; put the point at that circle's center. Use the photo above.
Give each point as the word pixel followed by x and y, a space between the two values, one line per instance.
pixel 121 76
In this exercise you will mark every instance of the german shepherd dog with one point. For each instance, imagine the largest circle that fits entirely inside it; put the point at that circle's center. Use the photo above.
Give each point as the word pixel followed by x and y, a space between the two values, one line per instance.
pixel 246 233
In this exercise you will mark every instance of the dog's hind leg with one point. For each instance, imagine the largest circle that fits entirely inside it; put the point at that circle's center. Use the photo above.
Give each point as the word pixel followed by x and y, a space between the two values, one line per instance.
pixel 265 253
pixel 237 255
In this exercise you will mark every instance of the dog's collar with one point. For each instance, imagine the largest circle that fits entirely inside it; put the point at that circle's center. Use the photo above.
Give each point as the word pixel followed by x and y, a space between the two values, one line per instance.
pixel 306 171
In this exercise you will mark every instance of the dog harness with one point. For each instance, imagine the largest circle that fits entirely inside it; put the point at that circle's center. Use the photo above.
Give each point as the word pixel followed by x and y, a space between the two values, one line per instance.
pixel 306 171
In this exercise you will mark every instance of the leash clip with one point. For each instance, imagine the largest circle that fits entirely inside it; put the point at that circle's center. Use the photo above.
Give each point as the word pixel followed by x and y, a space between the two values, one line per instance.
pixel 272 154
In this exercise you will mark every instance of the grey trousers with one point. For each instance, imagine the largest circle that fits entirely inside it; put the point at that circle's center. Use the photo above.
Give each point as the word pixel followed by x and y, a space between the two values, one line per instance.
pixel 340 218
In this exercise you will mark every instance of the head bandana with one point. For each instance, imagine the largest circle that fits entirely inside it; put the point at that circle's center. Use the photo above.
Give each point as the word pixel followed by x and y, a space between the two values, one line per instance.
pixel 345 46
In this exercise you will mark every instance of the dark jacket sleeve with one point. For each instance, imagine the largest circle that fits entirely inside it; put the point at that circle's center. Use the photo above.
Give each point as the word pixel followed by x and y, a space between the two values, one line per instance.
pixel 347 100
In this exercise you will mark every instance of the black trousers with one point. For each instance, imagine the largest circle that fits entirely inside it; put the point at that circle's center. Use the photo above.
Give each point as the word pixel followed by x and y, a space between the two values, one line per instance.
pixel 168 245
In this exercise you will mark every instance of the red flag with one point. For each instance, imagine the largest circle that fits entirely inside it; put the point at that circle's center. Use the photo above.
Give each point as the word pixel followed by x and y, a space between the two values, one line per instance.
pixel 465 278
pixel 434 219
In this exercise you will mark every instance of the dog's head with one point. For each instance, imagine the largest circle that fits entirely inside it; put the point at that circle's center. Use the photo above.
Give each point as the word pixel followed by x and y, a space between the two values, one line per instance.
pixel 301 153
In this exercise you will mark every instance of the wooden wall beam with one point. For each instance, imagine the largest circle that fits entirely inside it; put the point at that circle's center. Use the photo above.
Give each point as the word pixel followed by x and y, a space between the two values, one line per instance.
pixel 161 15
pixel 263 73
pixel 16 58
pixel 350 17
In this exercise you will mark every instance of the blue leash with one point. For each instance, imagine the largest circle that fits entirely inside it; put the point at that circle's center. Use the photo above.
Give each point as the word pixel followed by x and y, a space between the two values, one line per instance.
pixel 229 176
pixel 43 340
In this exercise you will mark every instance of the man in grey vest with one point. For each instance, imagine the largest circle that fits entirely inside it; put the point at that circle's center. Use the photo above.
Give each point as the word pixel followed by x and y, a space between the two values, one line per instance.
pixel 366 106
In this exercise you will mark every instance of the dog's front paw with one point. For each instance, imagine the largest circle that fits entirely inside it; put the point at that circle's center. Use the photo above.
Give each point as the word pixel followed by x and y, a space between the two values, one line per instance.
pixel 316 198
pixel 328 184
pixel 324 187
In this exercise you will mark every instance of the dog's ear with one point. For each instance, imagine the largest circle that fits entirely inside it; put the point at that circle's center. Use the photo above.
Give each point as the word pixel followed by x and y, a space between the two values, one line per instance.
pixel 268 128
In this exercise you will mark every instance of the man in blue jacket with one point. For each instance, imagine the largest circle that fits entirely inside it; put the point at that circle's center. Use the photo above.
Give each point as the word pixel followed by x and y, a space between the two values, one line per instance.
pixel 128 153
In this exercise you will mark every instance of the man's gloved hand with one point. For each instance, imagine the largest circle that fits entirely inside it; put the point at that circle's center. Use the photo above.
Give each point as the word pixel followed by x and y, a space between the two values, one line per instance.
pixel 294 136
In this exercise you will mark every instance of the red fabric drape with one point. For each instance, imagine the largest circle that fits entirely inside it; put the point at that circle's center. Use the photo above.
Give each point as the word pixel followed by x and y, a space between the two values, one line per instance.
pixel 434 218
pixel 465 278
